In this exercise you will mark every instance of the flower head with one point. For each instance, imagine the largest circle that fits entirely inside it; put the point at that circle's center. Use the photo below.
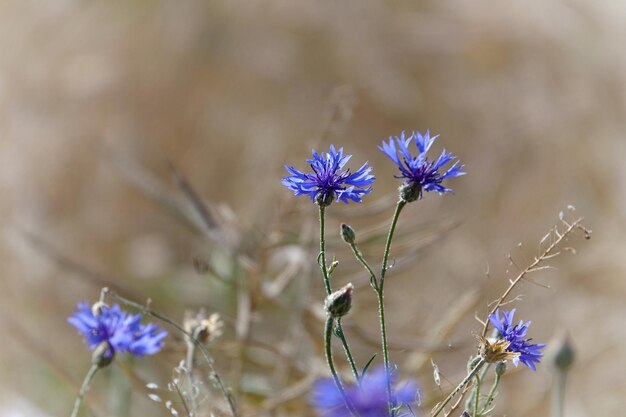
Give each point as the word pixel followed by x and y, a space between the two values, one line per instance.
pixel 369 400
pixel 329 181
pixel 122 332
pixel 529 353
pixel 419 173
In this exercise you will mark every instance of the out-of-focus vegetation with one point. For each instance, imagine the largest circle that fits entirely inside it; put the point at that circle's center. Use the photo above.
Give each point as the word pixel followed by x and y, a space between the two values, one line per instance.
pixel 97 99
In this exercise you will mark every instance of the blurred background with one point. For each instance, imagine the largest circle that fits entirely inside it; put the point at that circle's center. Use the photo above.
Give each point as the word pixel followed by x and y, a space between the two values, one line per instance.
pixel 99 100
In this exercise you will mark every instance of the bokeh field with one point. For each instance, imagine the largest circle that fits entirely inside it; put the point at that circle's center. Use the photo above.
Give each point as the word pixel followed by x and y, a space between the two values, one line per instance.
pixel 112 111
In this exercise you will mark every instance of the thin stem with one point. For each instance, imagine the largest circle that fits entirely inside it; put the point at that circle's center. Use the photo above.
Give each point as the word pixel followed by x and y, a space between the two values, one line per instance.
pixel 346 348
pixel 492 392
pixel 322 255
pixel 84 388
pixel 209 360
pixel 328 332
pixel 544 255
pixel 469 376
pixel 359 256
pixel 191 349
pixel 477 396
pixel 381 303
pixel 326 276
pixel 392 229
pixel 558 404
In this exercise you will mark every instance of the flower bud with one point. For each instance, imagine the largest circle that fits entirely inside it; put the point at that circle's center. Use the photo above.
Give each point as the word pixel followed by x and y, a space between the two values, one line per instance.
pixel 563 354
pixel 500 368
pixel 338 303
pixel 347 233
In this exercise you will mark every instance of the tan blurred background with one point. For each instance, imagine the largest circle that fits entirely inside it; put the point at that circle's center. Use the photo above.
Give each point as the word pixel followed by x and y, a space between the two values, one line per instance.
pixel 530 95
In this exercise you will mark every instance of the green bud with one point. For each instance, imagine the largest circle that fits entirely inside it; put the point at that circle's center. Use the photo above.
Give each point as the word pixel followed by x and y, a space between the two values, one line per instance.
pixel 99 356
pixel 338 303
pixel 563 354
pixel 410 192
pixel 500 368
pixel 347 233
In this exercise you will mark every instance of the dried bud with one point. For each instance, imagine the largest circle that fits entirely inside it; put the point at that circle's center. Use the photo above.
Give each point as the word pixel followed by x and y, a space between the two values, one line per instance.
pixel 202 328
pixel 410 191
pixel 347 234
pixel 494 351
pixel 339 302
pixel 97 307
pixel 103 355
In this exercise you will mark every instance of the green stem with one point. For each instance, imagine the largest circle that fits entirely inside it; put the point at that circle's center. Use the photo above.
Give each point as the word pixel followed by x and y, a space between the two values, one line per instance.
pixel 346 348
pixel 477 396
pixel 381 303
pixel 322 255
pixel 84 388
pixel 359 256
pixel 492 392
pixel 328 332
pixel 559 394
pixel 326 276
pixel 469 376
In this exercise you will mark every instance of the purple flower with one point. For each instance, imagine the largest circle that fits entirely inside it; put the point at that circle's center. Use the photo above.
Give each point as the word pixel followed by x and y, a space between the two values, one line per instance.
pixel 420 174
pixel 329 181
pixel 369 400
pixel 529 353
pixel 122 331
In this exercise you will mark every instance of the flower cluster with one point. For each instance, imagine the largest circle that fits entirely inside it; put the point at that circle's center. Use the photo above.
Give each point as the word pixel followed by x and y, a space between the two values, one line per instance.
pixel 122 332
pixel 369 399
pixel 329 181
pixel 529 353
pixel 419 173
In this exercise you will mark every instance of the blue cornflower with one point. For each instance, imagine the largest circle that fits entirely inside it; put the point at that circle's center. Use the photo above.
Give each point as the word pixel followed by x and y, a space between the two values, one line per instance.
pixel 122 332
pixel 329 181
pixel 420 174
pixel 369 400
pixel 529 353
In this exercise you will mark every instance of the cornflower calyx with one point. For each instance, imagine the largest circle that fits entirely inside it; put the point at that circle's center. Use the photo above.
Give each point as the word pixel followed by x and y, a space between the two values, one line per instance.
pixel 420 174
pixel 526 352
pixel 328 181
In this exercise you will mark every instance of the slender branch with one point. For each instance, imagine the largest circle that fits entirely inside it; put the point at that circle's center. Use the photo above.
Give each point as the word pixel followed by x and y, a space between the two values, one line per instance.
pixel 322 255
pixel 84 388
pixel 214 374
pixel 346 348
pixel 381 303
pixel 326 276
pixel 492 392
pixel 328 332
pixel 469 376
pixel 359 256
pixel 546 253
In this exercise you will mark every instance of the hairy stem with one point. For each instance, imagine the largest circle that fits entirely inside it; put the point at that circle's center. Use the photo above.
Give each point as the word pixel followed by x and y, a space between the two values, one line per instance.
pixel 326 276
pixel 381 303
pixel 469 376
pixel 84 388
pixel 328 332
